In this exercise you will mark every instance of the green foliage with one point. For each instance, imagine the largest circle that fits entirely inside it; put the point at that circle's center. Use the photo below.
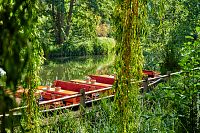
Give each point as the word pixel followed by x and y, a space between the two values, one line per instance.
pixel 168 24
pixel 99 46
pixel 158 113
pixel 104 46
pixel 84 23
pixel 30 118
pixel 191 51
pixel 15 25
pixel 128 64
pixel 86 16
pixel 101 118
pixel 20 54
pixel 174 106
pixel 159 26
pixel 103 8
pixel 65 122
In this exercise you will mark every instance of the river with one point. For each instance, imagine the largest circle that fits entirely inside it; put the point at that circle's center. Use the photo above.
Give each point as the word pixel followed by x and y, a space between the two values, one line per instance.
pixel 75 68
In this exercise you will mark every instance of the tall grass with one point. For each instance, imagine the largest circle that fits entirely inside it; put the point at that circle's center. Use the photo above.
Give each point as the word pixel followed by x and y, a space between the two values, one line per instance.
pixel 172 106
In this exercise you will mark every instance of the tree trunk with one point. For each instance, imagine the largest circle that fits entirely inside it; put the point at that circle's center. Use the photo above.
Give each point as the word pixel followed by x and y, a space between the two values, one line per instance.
pixel 54 20
pixel 58 23
pixel 62 10
pixel 69 18
pixel 58 19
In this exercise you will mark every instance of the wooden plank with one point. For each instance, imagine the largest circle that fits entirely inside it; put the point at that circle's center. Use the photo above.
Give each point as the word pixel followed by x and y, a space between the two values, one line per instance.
pixel 68 92
pixel 107 76
pixel 95 84
pixel 41 87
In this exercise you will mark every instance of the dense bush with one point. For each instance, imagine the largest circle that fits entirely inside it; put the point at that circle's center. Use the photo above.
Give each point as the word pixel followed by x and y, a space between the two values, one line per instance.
pixel 174 106
pixel 99 46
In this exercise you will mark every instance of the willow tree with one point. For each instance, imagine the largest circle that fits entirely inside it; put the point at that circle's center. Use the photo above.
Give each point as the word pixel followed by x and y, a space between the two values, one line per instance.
pixel 128 63
pixel 20 56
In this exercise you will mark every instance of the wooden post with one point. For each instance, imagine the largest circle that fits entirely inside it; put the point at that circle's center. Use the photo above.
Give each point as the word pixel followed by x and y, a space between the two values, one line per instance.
pixel 3 118
pixel 145 84
pixel 198 122
pixel 168 77
pixel 82 101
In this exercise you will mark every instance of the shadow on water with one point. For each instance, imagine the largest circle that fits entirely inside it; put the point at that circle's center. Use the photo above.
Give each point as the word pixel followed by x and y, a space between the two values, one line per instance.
pixel 72 68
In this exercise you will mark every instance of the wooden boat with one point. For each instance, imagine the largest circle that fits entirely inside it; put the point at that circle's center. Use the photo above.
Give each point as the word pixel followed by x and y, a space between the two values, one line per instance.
pixel 67 89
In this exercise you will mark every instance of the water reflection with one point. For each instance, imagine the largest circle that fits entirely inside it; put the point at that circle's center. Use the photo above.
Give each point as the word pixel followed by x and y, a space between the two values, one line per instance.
pixel 72 68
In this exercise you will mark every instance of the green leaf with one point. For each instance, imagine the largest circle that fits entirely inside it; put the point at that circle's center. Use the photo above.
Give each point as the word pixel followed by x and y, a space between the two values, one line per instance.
pixel 189 37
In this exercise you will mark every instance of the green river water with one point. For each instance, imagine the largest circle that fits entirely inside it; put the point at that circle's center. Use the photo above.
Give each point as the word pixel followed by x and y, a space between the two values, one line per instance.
pixel 75 68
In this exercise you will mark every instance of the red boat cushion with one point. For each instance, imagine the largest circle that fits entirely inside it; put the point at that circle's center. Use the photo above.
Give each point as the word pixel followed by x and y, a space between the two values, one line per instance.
pixel 149 73
pixel 72 86
pixel 105 80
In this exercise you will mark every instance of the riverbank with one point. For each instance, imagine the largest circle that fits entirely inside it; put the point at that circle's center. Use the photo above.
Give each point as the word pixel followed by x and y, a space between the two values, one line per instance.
pixel 99 46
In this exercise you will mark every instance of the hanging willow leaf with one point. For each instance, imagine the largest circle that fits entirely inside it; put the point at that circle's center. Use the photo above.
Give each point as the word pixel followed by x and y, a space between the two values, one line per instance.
pixel 128 62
